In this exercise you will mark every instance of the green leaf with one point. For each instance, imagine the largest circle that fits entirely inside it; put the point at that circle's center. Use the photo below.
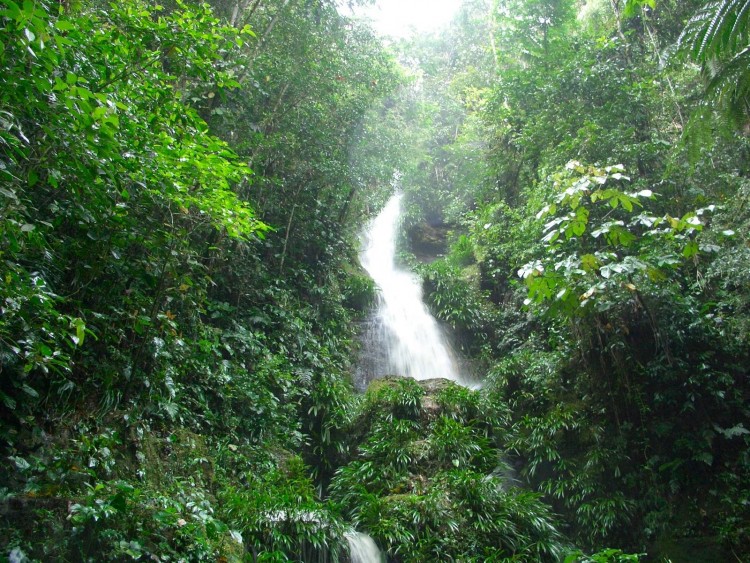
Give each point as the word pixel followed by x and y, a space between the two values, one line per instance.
pixel 13 12
pixel 119 502
pixel 64 25
pixel 84 93
pixel 631 7
pixel 112 120
pixel 9 402
pixel 626 203
pixel 80 333
pixel 589 262
pixel 735 431
pixel 30 391
pixel 20 462
pixel 691 249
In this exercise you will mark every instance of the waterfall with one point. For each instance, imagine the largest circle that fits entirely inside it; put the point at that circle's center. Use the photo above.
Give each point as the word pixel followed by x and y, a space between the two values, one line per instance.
pixel 362 548
pixel 403 338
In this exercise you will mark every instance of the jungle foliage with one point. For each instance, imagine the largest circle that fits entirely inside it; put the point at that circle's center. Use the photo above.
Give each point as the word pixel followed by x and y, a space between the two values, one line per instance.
pixel 179 218
pixel 595 189
pixel 427 482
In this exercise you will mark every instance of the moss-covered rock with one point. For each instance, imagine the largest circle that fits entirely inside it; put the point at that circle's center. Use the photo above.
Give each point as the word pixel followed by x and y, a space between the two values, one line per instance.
pixel 358 289
pixel 424 477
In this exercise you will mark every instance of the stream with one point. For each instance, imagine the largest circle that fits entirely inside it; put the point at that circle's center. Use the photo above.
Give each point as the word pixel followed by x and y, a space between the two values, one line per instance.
pixel 401 337
pixel 362 549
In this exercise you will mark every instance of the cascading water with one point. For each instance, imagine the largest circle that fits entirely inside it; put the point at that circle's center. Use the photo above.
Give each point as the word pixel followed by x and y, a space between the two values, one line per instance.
pixel 362 548
pixel 403 338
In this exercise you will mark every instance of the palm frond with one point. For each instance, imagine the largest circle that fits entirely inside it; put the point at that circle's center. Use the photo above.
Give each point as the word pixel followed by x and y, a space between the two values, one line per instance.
pixel 717 39
pixel 717 27
pixel 713 36
pixel 729 86
pixel 740 28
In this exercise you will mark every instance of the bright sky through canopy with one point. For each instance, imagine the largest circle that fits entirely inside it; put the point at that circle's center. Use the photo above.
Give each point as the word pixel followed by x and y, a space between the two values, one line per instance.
pixel 397 17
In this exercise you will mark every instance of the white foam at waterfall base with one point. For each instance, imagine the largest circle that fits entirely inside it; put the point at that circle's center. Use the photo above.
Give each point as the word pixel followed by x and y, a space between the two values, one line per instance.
pixel 414 342
pixel 362 548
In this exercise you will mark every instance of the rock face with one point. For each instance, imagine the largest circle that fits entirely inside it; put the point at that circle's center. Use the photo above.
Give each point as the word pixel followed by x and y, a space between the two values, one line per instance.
pixel 427 241
pixel 429 392
pixel 430 406
pixel 373 351
pixel 436 385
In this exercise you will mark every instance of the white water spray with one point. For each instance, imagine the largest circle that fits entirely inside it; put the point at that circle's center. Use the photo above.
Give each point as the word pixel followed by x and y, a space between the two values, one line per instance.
pixel 413 340
pixel 362 548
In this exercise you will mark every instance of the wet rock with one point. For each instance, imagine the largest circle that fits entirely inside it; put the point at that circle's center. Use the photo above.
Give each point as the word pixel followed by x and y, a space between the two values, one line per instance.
pixel 428 242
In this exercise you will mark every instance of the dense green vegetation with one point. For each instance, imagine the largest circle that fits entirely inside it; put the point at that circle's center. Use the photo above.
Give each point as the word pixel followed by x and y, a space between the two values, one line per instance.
pixel 181 191
pixel 179 213
pixel 428 483
pixel 592 179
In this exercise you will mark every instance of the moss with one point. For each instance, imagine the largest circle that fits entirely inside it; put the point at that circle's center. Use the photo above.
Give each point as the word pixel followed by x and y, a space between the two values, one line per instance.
pixel 358 289
pixel 376 385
